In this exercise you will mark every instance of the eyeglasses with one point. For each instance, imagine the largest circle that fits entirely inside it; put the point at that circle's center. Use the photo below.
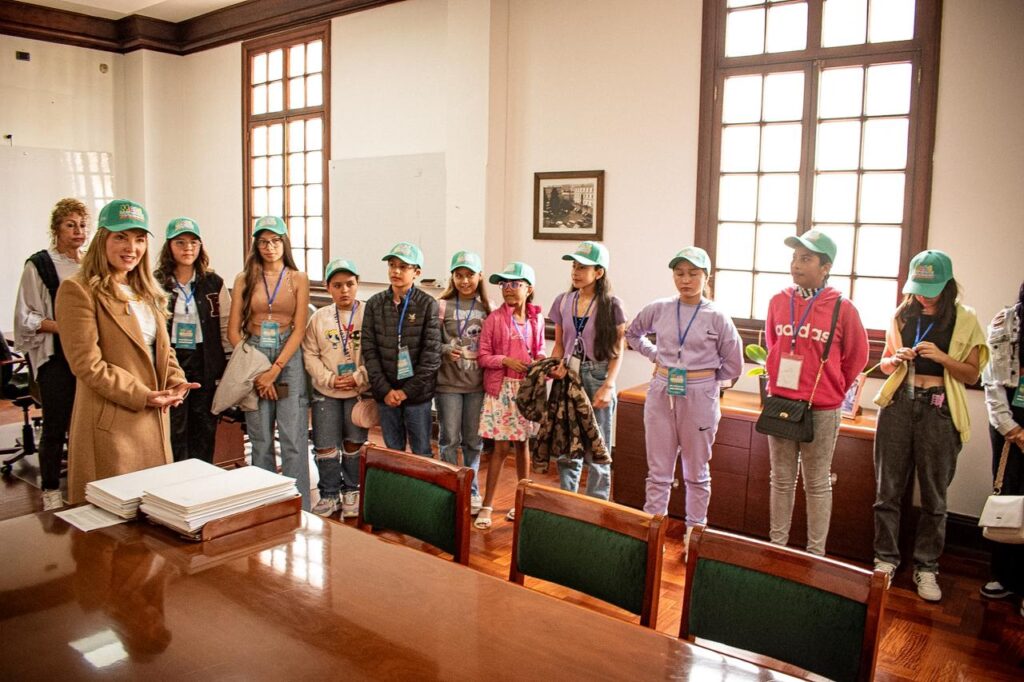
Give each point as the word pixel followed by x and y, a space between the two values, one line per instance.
pixel 187 244
pixel 400 267
pixel 269 243
pixel 513 284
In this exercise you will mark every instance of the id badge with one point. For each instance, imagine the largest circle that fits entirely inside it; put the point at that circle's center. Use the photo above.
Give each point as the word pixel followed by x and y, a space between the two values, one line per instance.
pixel 185 335
pixel 676 381
pixel 269 334
pixel 346 368
pixel 573 363
pixel 789 371
pixel 1018 397
pixel 404 363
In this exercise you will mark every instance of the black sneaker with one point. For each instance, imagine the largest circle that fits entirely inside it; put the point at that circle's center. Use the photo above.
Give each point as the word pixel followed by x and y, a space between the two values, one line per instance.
pixel 994 590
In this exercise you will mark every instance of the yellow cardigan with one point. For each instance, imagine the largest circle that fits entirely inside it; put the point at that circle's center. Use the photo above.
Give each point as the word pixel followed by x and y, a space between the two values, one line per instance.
pixel 967 334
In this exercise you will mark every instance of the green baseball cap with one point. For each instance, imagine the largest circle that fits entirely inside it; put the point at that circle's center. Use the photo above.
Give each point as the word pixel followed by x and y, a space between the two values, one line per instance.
pixel 466 259
pixel 514 270
pixel 406 252
pixel 816 241
pixel 340 265
pixel 929 272
pixel 123 214
pixel 590 253
pixel 695 255
pixel 271 223
pixel 179 226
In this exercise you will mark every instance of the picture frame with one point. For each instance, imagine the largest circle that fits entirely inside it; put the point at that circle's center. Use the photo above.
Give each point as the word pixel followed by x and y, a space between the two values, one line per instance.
pixel 851 402
pixel 569 205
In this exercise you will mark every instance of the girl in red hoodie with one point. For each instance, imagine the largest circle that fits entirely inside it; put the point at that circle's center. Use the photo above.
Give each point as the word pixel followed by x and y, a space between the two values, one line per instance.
pixel 796 329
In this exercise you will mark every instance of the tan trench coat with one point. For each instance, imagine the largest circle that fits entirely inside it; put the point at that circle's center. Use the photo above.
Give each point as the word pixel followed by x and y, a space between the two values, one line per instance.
pixel 112 430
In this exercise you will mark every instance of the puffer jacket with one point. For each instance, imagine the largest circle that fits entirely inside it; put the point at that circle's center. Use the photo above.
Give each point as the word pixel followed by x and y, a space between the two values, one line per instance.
pixel 1003 371
pixel 567 422
pixel 421 334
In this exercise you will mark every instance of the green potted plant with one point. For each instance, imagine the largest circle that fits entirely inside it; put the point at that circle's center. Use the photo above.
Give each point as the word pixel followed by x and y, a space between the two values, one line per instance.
pixel 757 354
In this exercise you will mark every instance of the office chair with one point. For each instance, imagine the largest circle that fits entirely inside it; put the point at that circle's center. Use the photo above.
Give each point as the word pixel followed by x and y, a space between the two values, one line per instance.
pixel 15 386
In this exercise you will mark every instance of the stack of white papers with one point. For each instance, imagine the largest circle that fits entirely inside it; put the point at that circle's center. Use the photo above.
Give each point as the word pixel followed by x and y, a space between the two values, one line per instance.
pixel 189 505
pixel 122 494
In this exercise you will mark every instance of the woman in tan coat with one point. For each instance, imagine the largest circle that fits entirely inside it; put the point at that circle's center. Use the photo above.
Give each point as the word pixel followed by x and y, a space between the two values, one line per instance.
pixel 111 315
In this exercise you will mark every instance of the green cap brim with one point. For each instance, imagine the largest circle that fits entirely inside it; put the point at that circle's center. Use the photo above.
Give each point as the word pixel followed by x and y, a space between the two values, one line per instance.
pixel 125 228
pixel 583 260
pixel 678 259
pixel 928 290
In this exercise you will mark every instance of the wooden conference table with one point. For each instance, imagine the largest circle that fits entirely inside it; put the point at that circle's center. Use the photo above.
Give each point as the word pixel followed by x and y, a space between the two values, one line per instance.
pixel 285 603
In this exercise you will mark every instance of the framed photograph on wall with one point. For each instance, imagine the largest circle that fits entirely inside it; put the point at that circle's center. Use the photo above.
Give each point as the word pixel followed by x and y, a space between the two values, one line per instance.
pixel 568 205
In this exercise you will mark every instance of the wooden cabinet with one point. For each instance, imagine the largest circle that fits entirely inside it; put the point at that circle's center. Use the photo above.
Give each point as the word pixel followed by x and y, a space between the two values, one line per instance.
pixel 741 474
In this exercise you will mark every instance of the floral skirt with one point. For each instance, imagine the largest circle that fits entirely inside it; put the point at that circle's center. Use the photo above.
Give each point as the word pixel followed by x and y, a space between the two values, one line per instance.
pixel 500 418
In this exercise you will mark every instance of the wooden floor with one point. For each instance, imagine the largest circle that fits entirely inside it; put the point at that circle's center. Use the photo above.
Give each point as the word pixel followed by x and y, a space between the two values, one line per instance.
pixel 964 637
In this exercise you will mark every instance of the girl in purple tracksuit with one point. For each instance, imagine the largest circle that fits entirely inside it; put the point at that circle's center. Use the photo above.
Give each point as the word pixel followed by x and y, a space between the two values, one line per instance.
pixel 697 347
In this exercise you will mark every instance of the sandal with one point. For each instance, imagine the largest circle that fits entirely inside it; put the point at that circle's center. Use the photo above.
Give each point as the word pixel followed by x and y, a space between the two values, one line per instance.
pixel 511 516
pixel 483 518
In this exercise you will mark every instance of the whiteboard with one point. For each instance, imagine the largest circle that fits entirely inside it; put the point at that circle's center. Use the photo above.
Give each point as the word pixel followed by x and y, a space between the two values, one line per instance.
pixel 379 201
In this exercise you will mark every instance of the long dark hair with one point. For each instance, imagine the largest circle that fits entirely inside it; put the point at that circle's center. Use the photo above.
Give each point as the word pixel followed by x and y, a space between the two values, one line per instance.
pixel 1020 316
pixel 945 307
pixel 451 292
pixel 166 266
pixel 606 332
pixel 254 271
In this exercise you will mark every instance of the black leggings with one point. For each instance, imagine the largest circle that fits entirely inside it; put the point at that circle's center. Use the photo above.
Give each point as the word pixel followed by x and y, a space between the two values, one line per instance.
pixel 1008 560
pixel 57 389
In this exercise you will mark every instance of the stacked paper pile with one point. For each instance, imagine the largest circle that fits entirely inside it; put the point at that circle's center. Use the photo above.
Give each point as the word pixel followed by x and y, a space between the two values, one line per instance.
pixel 122 494
pixel 189 505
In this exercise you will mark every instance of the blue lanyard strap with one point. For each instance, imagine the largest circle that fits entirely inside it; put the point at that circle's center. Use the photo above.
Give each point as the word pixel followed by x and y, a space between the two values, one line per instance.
pixel 461 326
pixel 792 317
pixel 920 337
pixel 344 332
pixel 277 288
pixel 679 325
pixel 401 318
pixel 191 294
pixel 579 323
pixel 523 334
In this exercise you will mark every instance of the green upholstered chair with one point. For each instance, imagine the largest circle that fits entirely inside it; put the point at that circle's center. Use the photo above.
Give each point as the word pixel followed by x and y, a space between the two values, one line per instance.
pixel 417 496
pixel 600 548
pixel 809 611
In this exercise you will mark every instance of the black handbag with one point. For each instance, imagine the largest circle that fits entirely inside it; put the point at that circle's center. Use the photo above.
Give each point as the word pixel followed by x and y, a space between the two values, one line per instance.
pixel 793 419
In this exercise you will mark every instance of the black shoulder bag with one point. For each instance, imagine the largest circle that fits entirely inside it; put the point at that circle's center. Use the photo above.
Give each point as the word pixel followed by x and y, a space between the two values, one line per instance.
pixel 792 419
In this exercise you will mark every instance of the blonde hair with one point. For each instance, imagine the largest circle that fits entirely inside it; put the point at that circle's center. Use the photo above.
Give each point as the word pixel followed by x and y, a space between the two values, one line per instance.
pixel 96 273
pixel 62 210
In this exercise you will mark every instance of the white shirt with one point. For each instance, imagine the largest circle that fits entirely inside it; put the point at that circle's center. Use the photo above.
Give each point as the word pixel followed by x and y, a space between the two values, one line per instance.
pixel 33 305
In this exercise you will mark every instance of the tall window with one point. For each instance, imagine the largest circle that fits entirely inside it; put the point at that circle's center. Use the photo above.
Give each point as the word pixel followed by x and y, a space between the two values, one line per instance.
pixel 816 114
pixel 287 117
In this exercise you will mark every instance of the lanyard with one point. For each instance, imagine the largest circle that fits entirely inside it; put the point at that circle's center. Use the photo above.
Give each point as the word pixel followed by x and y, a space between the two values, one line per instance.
pixel 277 287
pixel 461 326
pixel 679 326
pixel 523 334
pixel 344 332
pixel 920 337
pixel 401 318
pixel 579 323
pixel 189 296
pixel 792 317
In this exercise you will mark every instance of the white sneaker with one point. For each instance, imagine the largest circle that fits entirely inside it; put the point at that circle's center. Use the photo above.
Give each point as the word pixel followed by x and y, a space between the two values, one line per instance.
pixel 350 505
pixel 927 586
pixel 326 506
pixel 888 569
pixel 52 500
pixel 475 502
pixel 995 590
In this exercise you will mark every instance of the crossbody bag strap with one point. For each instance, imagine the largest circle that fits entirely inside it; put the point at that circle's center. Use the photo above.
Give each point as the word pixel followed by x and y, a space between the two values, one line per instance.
pixel 998 487
pixel 828 349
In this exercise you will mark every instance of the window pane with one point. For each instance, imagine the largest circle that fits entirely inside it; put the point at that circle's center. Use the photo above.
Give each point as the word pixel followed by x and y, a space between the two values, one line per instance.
pixel 740 146
pixel 882 198
pixel 275 201
pixel 780 149
pixel 766 286
pixel 876 301
pixel 297 200
pixel 888 89
pixel 315 233
pixel 259 100
pixel 835 197
pixel 315 57
pixel 744 32
pixel 259 202
pixel 314 133
pixel 296 93
pixel 259 141
pixel 842 284
pixel 296 135
pixel 777 199
pixel 259 171
pixel 733 292
pixel 878 250
pixel 297 232
pixel 772 253
pixel 297 60
pixel 891 20
pixel 784 96
pixel 735 246
pixel 275 171
pixel 743 3
pixel 787 28
pixel 259 69
pixel 296 168
pixel 275 96
pixel 741 101
pixel 315 264
pixel 275 143
pixel 843 236
pixel 314 90
pixel 844 22
pixel 838 145
pixel 885 143
pixel 300 259
pixel 315 200
pixel 275 65
pixel 737 198
pixel 839 94
pixel 314 167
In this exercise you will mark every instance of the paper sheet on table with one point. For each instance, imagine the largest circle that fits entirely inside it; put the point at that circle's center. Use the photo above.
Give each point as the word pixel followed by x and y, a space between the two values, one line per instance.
pixel 88 517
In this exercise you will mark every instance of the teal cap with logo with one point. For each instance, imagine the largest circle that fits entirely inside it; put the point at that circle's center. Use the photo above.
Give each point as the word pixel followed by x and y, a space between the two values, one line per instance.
pixel 695 255
pixel 816 241
pixel 123 214
pixel 929 272
pixel 340 265
pixel 271 223
pixel 590 253
pixel 513 271
pixel 180 226
pixel 406 252
pixel 466 259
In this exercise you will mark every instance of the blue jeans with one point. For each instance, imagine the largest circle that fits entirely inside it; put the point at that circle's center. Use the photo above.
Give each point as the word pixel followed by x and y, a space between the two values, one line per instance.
pixel 599 476
pixel 406 424
pixel 292 420
pixel 459 414
pixel 332 427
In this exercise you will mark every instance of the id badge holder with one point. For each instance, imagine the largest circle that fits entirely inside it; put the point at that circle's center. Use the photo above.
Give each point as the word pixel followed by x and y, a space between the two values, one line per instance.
pixel 346 368
pixel 269 334
pixel 404 363
pixel 185 335
pixel 790 365
pixel 1018 396
pixel 573 363
pixel 677 381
